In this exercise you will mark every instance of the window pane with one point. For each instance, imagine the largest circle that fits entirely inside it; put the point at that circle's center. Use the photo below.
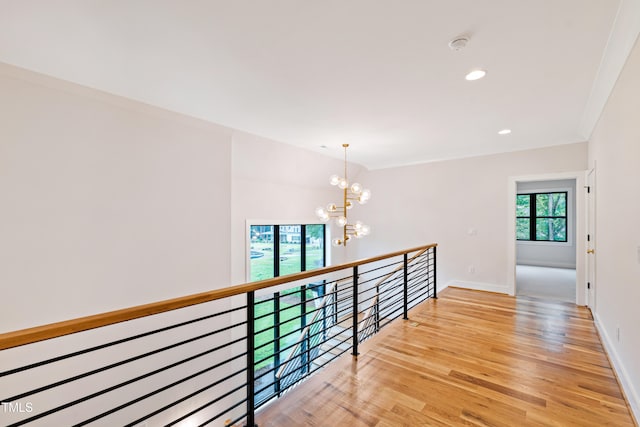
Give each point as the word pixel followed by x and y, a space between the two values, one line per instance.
pixel 315 293
pixel 560 230
pixel 542 205
pixel 551 229
pixel 262 246
pixel 542 229
pixel 290 249
pixel 263 322
pixel 314 246
pixel 551 204
pixel 522 205
pixel 560 204
pixel 522 228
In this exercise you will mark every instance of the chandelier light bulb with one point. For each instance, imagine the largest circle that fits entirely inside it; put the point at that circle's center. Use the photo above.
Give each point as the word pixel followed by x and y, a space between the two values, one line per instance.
pixel 331 207
pixel 364 196
pixel 349 204
pixel 341 221
pixel 336 242
pixel 322 214
pixel 343 183
pixel 358 225
pixel 356 188
pixel 365 230
pixel 334 179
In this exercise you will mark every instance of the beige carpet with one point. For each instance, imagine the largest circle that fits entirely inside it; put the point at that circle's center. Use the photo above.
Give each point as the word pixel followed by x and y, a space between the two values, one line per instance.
pixel 545 282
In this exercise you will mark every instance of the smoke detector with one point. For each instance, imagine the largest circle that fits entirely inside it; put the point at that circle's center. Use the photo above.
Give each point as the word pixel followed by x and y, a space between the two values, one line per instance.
pixel 458 43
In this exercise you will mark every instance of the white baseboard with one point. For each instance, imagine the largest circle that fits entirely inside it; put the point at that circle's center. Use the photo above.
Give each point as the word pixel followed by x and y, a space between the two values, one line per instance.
pixel 627 386
pixel 547 264
pixel 441 287
pixel 489 287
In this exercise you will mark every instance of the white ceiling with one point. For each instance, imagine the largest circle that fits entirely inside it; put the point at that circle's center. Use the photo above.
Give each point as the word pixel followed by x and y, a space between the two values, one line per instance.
pixel 378 75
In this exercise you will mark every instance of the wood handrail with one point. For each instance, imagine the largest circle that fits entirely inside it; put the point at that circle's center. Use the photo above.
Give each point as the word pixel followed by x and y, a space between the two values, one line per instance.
pixel 67 327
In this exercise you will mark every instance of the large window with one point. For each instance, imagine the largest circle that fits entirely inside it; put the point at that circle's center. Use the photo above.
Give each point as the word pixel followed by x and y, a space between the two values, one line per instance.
pixel 277 250
pixel 542 217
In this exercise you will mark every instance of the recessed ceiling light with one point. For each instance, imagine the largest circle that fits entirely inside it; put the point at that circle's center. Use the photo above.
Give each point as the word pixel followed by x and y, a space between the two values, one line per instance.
pixel 504 132
pixel 476 74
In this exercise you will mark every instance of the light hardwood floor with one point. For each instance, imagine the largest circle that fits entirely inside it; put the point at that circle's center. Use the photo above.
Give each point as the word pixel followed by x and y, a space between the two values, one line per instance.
pixel 469 358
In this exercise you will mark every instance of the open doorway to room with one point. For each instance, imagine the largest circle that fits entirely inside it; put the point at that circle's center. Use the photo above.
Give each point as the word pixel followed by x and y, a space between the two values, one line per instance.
pixel 546 239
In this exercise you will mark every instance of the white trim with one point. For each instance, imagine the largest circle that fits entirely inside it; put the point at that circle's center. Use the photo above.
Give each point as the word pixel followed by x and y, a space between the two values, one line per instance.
pixel 478 286
pixel 546 242
pixel 623 35
pixel 512 186
pixel 440 287
pixel 547 264
pixel 632 395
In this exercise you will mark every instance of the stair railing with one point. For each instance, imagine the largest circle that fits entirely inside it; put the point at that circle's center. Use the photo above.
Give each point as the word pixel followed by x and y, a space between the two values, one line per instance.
pixel 370 322
pixel 191 359
pixel 296 364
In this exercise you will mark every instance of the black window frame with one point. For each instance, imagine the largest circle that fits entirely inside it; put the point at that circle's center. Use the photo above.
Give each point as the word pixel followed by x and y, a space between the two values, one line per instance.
pixel 318 288
pixel 303 245
pixel 533 217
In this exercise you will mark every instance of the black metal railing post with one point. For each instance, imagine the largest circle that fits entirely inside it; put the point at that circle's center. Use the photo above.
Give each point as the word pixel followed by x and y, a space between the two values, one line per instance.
pixel 435 290
pixel 334 317
pixel 324 322
pixel 250 360
pixel 355 311
pixel 377 308
pixel 304 356
pixel 309 351
pixel 276 341
pixel 405 290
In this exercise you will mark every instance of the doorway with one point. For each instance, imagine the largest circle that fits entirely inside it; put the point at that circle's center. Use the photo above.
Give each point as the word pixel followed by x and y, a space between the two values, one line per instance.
pixel 546 239
pixel 578 229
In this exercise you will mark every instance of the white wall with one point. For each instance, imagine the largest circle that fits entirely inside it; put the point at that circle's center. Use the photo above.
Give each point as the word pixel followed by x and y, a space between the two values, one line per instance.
pixel 551 254
pixel 461 205
pixel 105 203
pixel 614 150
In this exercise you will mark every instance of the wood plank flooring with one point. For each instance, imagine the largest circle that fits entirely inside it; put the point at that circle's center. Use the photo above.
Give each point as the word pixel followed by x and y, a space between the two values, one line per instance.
pixel 468 358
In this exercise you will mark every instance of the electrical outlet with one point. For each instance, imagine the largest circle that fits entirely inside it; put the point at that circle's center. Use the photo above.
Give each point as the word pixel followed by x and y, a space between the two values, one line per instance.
pixel 472 269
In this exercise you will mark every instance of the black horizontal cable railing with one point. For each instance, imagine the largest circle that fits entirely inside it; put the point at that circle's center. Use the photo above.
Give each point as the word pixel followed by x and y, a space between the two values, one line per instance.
pixel 208 358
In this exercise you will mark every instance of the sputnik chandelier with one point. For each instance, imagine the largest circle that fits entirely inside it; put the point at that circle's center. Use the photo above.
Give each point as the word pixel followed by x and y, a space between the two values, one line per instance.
pixel 351 194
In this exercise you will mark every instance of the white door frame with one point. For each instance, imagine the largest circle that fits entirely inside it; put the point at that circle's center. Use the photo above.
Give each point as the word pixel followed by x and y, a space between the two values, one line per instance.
pixel 591 231
pixel 580 177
